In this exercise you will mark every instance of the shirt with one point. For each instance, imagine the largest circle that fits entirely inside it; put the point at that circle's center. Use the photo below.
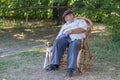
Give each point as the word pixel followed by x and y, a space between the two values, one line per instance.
pixel 76 23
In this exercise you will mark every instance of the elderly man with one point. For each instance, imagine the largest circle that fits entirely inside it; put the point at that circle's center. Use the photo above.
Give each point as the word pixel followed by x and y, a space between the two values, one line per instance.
pixel 69 36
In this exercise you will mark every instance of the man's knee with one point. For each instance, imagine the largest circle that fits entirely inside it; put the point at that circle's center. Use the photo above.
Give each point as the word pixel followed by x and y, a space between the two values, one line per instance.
pixel 60 42
pixel 75 44
pixel 57 41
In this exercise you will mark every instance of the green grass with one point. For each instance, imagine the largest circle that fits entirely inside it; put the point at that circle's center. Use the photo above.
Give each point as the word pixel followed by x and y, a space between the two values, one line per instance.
pixel 27 62
pixel 106 53
pixel 24 58
pixel 104 49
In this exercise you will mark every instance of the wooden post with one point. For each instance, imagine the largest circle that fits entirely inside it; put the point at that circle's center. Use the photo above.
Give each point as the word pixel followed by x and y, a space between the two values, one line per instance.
pixel 27 14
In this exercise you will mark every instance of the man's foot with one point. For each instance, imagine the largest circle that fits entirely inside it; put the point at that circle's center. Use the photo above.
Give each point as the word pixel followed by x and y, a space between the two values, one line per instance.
pixel 69 72
pixel 52 67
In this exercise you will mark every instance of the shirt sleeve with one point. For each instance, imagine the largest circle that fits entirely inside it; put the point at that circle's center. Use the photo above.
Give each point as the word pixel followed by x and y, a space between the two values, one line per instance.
pixel 82 24
pixel 60 32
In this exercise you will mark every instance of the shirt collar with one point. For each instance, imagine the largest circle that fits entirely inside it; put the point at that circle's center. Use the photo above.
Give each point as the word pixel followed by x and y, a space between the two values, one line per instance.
pixel 68 22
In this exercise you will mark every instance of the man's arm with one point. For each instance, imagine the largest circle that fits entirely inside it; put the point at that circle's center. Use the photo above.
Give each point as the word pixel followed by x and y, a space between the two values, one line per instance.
pixel 75 31
pixel 80 30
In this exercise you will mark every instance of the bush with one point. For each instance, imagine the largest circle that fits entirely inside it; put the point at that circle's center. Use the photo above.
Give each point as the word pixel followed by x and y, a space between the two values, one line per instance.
pixel 107 12
pixel 113 26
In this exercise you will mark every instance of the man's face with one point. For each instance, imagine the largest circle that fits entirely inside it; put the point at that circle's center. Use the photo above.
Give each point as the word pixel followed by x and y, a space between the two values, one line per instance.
pixel 69 17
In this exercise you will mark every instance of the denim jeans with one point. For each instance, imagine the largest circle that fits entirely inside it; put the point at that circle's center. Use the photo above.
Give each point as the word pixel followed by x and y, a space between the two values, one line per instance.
pixel 59 47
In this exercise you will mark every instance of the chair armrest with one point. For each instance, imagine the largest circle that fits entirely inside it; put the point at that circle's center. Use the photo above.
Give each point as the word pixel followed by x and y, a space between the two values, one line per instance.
pixel 82 43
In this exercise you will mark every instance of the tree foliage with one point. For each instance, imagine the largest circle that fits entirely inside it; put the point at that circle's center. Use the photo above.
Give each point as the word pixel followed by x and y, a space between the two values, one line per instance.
pixel 106 11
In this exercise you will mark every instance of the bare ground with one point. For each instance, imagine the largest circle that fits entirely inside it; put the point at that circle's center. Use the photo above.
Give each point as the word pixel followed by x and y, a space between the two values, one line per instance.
pixel 96 71
pixel 36 72
pixel 14 42
pixel 16 48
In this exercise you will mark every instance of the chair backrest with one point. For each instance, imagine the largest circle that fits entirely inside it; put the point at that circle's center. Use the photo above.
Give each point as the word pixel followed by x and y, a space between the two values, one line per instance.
pixel 89 29
pixel 90 26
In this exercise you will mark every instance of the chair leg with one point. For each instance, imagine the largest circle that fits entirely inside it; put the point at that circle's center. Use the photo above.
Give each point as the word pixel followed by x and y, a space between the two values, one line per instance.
pixel 84 60
pixel 90 58
pixel 81 61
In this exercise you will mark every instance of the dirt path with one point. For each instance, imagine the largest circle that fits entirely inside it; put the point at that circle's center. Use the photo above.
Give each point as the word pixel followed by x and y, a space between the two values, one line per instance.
pixel 10 45
pixel 13 46
pixel 17 49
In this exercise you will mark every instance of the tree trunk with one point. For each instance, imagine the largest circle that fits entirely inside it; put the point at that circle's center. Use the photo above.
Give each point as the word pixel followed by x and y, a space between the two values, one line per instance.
pixel 57 12
pixel 27 14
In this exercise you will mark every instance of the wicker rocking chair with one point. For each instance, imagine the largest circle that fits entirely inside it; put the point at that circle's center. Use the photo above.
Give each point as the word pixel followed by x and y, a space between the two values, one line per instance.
pixel 84 57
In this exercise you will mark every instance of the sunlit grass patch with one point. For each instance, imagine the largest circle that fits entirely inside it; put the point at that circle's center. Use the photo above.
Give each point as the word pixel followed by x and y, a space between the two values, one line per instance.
pixel 16 23
pixel 44 29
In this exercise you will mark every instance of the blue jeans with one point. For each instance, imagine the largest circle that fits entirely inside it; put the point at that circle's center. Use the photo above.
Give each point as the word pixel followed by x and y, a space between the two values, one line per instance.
pixel 59 47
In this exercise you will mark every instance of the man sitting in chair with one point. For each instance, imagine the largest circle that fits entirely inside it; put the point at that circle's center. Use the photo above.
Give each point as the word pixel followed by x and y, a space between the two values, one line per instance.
pixel 69 37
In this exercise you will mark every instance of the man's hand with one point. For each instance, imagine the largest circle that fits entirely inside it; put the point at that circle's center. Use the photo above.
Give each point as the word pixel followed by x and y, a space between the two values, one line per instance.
pixel 69 32
pixel 58 37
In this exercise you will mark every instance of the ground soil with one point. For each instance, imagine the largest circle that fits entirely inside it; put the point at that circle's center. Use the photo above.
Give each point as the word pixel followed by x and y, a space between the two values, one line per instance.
pixel 15 46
